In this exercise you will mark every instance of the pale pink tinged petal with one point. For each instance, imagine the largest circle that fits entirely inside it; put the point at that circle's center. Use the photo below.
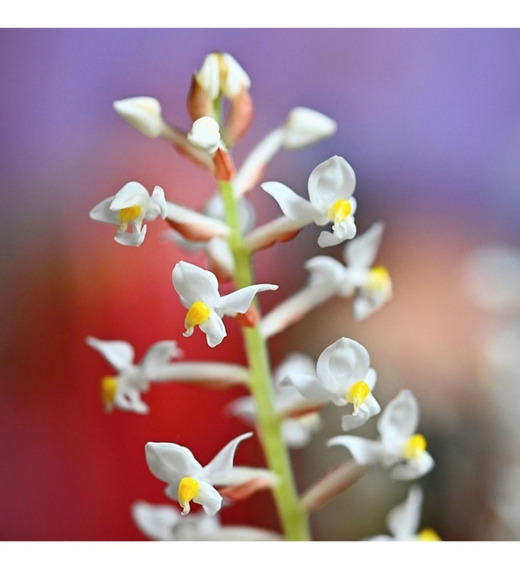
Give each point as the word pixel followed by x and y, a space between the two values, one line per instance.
pixel 209 498
pixel 241 475
pixel 330 181
pixel 281 229
pixel 362 251
pixel 159 355
pixel 131 194
pixel 224 165
pixel 101 212
pixel 251 170
pixel 294 309
pixel 291 204
pixel 413 469
pixel 403 521
pixel 240 300
pixel 399 419
pixel 245 490
pixel 308 385
pixel 155 521
pixel 171 462
pixel 365 452
pixel 249 318
pixel 333 483
pixel 120 354
pixel 214 329
pixel 193 225
pixel 133 239
pixel 219 469
pixel 193 284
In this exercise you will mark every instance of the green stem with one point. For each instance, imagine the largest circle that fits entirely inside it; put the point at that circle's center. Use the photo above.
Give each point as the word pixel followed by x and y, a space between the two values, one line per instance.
pixel 293 519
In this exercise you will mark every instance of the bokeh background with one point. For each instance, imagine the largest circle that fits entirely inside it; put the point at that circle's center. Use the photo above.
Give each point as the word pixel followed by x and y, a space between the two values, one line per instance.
pixel 430 121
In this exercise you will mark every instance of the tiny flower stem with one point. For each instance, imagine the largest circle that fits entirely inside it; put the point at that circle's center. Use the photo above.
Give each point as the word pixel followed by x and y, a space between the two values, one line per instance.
pixel 194 372
pixel 292 517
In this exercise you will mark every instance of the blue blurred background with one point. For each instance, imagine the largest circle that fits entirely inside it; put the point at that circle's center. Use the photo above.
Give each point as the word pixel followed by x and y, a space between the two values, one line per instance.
pixel 430 121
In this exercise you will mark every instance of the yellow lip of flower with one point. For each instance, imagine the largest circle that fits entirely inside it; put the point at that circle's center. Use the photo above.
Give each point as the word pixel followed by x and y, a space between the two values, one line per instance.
pixel 339 211
pixel 129 214
pixel 108 391
pixel 188 489
pixel 198 313
pixel 428 535
pixel 414 447
pixel 378 279
pixel 357 394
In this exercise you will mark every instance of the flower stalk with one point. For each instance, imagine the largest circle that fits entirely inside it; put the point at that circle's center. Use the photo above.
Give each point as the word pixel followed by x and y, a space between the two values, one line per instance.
pixel 293 518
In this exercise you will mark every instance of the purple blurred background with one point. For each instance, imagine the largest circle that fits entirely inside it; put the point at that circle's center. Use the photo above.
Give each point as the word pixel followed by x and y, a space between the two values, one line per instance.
pixel 430 121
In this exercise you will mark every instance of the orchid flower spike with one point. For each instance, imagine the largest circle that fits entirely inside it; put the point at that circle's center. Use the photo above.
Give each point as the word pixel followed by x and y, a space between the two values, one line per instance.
pixel 198 291
pixel 299 419
pixel 330 186
pixel 343 376
pixel 400 447
pixel 129 207
pixel 403 521
pixel 165 523
pixel 187 479
pixel 124 390
pixel 143 113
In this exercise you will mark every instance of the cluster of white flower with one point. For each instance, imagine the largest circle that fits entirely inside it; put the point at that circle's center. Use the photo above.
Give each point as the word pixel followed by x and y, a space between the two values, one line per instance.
pixel 284 405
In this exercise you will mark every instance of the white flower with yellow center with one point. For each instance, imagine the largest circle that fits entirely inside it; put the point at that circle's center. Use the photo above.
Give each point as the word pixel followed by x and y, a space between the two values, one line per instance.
pixel 165 523
pixel 124 390
pixel 330 187
pixel 343 376
pixel 198 291
pixel 403 521
pixel 187 479
pixel 129 208
pixel 400 447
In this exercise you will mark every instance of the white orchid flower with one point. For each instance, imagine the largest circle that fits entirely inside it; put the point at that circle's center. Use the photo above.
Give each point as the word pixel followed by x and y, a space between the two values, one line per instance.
pixel 187 479
pixel 165 523
pixel 124 390
pixel 143 113
pixel 130 207
pixel 343 376
pixel 330 186
pixel 403 521
pixel 399 446
pixel 299 418
pixel 198 291
pixel 221 73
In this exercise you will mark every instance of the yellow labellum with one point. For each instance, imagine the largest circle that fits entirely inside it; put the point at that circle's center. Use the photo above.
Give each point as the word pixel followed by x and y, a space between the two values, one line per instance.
pixel 108 391
pixel 378 279
pixel 414 447
pixel 188 489
pixel 357 394
pixel 428 535
pixel 198 313
pixel 339 211
pixel 129 214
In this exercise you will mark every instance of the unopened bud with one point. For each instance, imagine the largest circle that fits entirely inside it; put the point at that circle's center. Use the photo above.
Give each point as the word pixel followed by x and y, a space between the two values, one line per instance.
pixel 143 113
pixel 305 126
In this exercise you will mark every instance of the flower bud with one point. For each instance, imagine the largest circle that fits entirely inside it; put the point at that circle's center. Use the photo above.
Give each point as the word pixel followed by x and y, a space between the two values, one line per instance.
pixel 305 126
pixel 220 72
pixel 143 113
pixel 205 134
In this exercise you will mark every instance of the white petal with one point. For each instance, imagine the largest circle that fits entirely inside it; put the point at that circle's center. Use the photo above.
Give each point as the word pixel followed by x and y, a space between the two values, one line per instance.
pixel 308 385
pixel 363 451
pixel 294 363
pixel 240 300
pixel 305 126
pixel 205 134
pixel 399 419
pixel 236 77
pixel 291 204
pixel 329 181
pixel 350 422
pixel 296 434
pixel 209 75
pixel 128 397
pixel 327 271
pixel 120 354
pixel 159 355
pixel 133 239
pixel 193 225
pixel 131 194
pixel 157 204
pixel 193 284
pixel 219 469
pixel 340 364
pixel 214 329
pixel 143 113
pixel 362 250
pixel 413 469
pixel 171 462
pixel 209 498
pixel 327 239
pixel 403 521
pixel 155 521
pixel 101 212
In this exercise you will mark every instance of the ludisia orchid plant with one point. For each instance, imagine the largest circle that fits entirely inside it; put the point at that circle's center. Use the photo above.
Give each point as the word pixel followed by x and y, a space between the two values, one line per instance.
pixel 284 404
